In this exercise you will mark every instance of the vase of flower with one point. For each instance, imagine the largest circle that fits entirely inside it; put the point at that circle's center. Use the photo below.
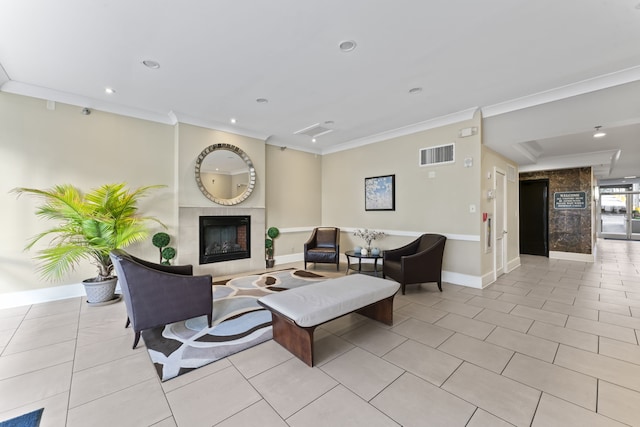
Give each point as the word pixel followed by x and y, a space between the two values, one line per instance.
pixel 368 236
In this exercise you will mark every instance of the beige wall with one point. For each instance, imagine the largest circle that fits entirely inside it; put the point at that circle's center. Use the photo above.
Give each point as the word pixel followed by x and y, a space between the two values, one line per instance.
pixel 438 204
pixel 294 196
pixel 41 148
pixel 295 190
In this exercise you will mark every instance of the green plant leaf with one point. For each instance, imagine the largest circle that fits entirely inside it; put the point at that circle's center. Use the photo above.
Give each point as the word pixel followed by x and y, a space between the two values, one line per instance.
pixel 88 226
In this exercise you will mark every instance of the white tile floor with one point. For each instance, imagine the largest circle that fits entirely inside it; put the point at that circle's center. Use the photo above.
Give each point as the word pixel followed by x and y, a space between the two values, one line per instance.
pixel 552 343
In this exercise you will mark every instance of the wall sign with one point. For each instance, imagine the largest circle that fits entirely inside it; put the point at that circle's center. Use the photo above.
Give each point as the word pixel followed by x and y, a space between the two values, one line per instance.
pixel 570 200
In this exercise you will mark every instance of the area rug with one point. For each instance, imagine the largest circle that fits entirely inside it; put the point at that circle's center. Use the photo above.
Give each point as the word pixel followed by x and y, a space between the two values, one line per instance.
pixel 239 322
pixel 31 419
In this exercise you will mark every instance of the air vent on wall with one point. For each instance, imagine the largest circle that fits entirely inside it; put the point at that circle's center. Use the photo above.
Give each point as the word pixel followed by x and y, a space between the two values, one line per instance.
pixel 313 131
pixel 438 155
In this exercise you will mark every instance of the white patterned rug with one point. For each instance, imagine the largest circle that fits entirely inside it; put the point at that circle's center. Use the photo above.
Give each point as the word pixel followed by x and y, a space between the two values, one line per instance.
pixel 239 322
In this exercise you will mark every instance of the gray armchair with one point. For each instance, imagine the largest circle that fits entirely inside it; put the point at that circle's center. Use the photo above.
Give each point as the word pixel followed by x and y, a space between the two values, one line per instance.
pixel 156 294
pixel 418 262
pixel 323 246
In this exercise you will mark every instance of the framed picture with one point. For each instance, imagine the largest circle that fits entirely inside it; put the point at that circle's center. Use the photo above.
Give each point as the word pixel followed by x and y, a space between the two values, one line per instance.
pixel 380 193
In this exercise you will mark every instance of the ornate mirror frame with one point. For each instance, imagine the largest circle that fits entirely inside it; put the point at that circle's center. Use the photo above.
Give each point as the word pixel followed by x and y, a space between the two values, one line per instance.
pixel 252 174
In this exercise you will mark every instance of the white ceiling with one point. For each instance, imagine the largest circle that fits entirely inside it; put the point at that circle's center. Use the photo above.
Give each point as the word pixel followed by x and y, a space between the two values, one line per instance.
pixel 546 71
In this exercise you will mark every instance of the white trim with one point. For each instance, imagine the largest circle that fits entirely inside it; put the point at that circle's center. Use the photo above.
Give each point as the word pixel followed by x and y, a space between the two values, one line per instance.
pixel 82 101
pixel 170 118
pixel 574 89
pixel 223 127
pixel 350 230
pixel 462 279
pixel 513 264
pixel 488 279
pixel 437 122
pixel 571 256
pixel 35 296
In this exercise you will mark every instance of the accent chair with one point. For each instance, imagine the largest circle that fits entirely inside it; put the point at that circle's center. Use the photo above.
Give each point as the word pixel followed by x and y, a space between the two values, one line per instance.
pixel 323 246
pixel 157 294
pixel 418 262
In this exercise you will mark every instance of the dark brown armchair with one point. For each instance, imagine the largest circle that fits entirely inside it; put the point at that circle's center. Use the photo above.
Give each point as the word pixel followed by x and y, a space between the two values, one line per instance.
pixel 323 246
pixel 418 262
pixel 156 294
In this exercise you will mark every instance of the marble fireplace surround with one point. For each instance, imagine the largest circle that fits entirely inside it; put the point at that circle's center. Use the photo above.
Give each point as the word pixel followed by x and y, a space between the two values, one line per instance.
pixel 188 241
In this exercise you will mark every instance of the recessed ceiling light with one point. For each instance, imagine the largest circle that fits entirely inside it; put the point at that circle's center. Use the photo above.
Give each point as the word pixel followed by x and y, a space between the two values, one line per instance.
pixel 599 133
pixel 313 140
pixel 109 90
pixel 347 45
pixel 233 120
pixel 262 100
pixel 415 90
pixel 151 64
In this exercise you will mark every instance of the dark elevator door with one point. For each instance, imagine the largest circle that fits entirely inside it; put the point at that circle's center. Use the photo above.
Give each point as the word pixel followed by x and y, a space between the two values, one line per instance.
pixel 534 217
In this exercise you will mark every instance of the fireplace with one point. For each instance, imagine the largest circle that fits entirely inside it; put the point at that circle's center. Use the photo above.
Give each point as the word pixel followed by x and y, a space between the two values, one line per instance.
pixel 224 238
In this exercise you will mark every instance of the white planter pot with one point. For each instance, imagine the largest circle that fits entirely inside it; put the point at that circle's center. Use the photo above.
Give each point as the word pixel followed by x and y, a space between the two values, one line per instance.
pixel 100 291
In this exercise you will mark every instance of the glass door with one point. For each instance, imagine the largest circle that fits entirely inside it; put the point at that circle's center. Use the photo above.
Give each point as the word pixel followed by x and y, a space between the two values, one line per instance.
pixel 620 215
pixel 633 200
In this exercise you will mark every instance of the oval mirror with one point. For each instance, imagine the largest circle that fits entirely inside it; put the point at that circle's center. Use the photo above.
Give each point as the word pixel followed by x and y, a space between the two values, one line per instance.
pixel 225 174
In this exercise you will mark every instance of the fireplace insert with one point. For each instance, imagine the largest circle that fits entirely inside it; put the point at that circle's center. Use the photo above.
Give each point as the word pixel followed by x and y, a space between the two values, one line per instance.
pixel 224 238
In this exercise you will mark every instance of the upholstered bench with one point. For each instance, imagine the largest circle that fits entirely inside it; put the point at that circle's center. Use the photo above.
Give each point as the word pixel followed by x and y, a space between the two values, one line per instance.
pixel 297 312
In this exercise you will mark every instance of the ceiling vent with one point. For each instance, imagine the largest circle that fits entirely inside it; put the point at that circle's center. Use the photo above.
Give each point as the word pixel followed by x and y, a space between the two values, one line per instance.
pixel 313 131
pixel 441 154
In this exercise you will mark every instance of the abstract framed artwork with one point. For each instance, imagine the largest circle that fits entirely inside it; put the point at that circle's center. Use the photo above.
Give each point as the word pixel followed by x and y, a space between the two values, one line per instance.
pixel 380 193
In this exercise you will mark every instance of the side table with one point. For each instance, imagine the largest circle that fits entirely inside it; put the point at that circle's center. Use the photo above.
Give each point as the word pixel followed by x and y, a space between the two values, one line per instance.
pixel 367 268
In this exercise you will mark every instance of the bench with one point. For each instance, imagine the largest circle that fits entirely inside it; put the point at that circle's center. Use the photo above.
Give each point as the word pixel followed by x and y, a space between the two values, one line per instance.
pixel 298 312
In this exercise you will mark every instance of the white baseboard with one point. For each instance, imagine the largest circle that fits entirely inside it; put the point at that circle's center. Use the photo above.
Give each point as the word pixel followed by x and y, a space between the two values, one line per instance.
pixel 513 264
pixel 35 296
pixel 572 256
pixel 462 279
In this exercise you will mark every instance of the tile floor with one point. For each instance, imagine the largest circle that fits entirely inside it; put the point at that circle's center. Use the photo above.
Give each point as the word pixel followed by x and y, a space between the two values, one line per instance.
pixel 552 343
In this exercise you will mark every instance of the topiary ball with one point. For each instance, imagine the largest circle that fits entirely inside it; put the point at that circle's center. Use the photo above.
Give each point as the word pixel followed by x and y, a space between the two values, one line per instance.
pixel 168 253
pixel 273 232
pixel 160 240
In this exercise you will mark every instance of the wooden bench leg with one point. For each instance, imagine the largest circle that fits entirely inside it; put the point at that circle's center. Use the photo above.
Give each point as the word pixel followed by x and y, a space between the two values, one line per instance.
pixel 382 311
pixel 298 340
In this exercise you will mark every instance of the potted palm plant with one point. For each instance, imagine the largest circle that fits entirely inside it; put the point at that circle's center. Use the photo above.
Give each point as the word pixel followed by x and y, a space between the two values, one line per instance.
pixel 88 227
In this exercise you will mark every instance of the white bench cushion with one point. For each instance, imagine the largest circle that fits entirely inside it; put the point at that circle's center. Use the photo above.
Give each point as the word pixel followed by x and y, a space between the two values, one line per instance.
pixel 314 304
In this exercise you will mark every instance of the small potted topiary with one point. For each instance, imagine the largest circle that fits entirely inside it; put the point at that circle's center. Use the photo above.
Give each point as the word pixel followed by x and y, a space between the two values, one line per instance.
pixel 167 253
pixel 269 247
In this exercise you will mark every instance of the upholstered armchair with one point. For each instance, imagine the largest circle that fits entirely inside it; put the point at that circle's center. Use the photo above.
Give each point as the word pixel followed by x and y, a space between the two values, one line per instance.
pixel 156 294
pixel 418 262
pixel 323 246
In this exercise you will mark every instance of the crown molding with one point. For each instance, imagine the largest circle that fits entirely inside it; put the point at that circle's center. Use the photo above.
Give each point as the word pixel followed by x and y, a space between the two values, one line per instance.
pixel 405 130
pixel 25 89
pixel 574 89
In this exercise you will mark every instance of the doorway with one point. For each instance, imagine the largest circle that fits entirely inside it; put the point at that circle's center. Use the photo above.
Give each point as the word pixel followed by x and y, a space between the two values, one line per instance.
pixel 500 227
pixel 619 214
pixel 534 217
